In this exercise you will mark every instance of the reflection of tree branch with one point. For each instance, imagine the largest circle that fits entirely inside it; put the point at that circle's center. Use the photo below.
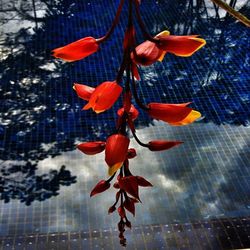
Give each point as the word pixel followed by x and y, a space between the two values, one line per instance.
pixel 243 19
pixel 28 17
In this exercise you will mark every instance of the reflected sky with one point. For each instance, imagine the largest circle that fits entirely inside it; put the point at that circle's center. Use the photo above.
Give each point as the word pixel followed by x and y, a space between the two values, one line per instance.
pixel 204 178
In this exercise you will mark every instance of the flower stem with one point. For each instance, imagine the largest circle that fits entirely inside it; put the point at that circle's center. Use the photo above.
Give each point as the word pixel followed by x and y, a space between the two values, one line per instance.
pixel 135 94
pixel 138 141
pixel 115 22
pixel 141 24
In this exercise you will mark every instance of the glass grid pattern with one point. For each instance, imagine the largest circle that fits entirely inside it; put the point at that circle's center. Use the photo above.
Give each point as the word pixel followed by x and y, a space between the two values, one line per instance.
pixel 201 189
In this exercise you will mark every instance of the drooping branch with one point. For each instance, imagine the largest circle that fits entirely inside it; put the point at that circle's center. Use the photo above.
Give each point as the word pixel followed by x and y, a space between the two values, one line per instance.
pixel 236 14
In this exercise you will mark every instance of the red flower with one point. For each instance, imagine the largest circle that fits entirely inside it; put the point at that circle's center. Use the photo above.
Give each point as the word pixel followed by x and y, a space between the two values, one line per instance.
pixel 103 97
pixel 149 52
pixel 92 148
pixel 129 184
pixel 83 91
pixel 100 187
pixel 174 114
pixel 77 50
pixel 162 145
pixel 116 152
pixel 143 182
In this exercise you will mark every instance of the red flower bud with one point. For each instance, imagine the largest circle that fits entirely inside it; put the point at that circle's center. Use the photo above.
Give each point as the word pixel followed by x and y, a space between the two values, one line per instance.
pixel 116 185
pixel 92 148
pixel 100 187
pixel 111 209
pixel 162 145
pixel 121 226
pixel 129 184
pixel 121 211
pixel 131 153
pixel 143 182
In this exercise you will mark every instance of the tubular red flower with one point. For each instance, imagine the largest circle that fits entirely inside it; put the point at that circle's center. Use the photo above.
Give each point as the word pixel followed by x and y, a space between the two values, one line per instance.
pixel 160 145
pixel 77 50
pixel 174 114
pixel 149 52
pixel 83 91
pixel 116 152
pixel 100 187
pixel 104 96
pixel 92 148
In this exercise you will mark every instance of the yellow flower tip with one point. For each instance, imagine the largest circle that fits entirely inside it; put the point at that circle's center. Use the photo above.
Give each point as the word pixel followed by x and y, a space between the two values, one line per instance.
pixel 74 87
pixel 192 116
pixel 114 168
pixel 98 111
pixel 164 33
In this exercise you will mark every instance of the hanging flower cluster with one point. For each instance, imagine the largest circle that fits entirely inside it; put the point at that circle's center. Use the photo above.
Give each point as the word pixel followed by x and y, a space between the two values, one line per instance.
pixel 99 99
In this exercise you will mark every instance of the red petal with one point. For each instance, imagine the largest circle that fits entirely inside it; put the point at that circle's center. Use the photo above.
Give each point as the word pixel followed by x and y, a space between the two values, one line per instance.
pixel 143 182
pixel 129 205
pixel 162 145
pixel 146 53
pixel 77 50
pixel 83 91
pixel 104 96
pixel 100 187
pixel 116 149
pixel 168 112
pixel 129 184
pixel 92 148
pixel 181 45
pixel 133 112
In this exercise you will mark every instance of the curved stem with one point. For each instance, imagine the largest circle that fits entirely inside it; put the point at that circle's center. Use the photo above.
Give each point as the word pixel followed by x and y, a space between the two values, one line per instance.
pixel 111 178
pixel 137 99
pixel 142 26
pixel 138 141
pixel 115 22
